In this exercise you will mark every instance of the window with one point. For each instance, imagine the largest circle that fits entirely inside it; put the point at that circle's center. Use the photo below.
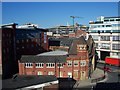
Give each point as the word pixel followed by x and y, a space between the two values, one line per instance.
pixel 95 37
pixel 50 73
pixel 36 40
pixel 116 38
pixel 17 41
pixel 39 65
pixel 116 46
pixel 102 25
pixel 60 74
pixel 76 63
pixel 105 46
pixel 17 48
pixel 39 73
pixel 111 19
pixel 82 63
pixel 117 19
pixel 105 38
pixel 60 65
pixel 70 74
pixel 32 45
pixel 108 25
pixel 22 47
pixel 28 65
pixel 22 41
pixel 82 47
pixel 45 37
pixel 69 63
pixel 27 40
pixel 50 65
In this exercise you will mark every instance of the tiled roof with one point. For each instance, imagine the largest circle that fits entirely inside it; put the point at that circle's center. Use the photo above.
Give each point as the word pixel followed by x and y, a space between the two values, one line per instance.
pixel 25 81
pixel 73 48
pixel 53 53
pixel 90 43
pixel 62 41
pixel 71 43
pixel 43 59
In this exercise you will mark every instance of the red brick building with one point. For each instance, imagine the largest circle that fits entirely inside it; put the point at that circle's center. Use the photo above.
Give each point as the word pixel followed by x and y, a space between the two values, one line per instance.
pixel 17 42
pixel 31 41
pixel 74 65
pixel 8 52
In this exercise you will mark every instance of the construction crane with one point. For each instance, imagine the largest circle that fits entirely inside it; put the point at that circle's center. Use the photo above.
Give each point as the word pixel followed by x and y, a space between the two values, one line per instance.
pixel 73 17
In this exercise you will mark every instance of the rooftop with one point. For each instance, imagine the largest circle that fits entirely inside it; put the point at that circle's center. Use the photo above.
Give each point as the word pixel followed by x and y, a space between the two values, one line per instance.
pixel 53 53
pixel 48 57
pixel 25 81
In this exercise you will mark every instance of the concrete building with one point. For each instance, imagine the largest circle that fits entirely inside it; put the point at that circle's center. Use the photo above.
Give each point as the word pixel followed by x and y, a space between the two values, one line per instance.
pixel 66 31
pixel 105 32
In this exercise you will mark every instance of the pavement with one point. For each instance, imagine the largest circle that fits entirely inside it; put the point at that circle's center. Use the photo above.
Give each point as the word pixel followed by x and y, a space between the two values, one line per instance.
pixel 101 61
pixel 97 74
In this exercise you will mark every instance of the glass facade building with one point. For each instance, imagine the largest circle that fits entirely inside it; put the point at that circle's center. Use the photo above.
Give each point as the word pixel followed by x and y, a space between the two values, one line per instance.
pixel 106 34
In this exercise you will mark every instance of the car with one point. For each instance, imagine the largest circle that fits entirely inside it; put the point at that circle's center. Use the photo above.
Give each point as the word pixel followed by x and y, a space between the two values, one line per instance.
pixel 107 69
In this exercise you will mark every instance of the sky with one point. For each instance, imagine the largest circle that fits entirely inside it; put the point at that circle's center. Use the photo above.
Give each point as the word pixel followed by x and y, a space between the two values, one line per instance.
pixel 50 14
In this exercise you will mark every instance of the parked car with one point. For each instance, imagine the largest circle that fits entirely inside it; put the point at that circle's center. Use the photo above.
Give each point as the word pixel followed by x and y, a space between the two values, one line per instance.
pixel 107 69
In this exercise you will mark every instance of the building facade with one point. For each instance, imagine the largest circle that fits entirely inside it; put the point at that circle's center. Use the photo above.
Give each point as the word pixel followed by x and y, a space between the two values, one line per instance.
pixel 66 31
pixel 31 41
pixel 15 42
pixel 105 32
pixel 74 65
pixel 8 52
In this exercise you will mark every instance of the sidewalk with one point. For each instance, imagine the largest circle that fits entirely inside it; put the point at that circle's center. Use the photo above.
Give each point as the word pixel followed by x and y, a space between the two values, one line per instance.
pixel 98 73
pixel 101 61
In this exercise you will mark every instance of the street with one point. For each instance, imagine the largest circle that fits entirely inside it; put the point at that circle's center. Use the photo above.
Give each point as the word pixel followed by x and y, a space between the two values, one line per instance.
pixel 111 77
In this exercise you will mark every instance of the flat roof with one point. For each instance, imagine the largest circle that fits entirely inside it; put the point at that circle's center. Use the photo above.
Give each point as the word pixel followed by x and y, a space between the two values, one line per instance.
pixel 48 57
pixel 22 81
pixel 53 53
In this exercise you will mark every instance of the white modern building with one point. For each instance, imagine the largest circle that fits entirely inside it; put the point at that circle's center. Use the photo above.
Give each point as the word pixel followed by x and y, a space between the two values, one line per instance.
pixel 106 34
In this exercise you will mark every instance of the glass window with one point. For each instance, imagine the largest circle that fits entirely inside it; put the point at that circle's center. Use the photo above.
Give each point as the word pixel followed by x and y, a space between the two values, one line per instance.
pixel 95 37
pixel 69 63
pixel 105 38
pixel 39 73
pixel 116 46
pixel 60 65
pixel 76 63
pixel 17 41
pixel 117 19
pixel 45 37
pixel 28 65
pixel 50 73
pixel 22 41
pixel 105 46
pixel 111 19
pixel 27 40
pixel 49 65
pixel 108 25
pixel 39 65
pixel 116 38
pixel 82 63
